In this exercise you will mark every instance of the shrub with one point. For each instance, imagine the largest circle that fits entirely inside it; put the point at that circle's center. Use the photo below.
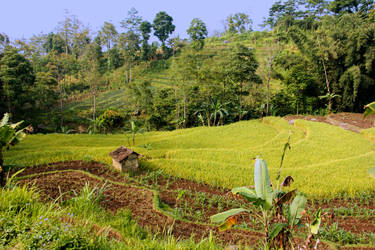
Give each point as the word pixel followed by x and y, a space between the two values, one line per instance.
pixel 110 120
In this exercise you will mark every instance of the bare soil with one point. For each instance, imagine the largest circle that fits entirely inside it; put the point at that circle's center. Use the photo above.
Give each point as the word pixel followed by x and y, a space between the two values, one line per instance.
pixel 349 121
pixel 139 199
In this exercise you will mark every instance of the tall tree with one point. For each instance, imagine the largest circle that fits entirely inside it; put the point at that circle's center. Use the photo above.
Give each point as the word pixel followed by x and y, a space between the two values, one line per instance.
pixel 17 79
pixel 240 68
pixel 74 34
pixel 129 43
pixel 132 22
pixel 238 23
pixel 163 26
pixel 64 65
pixel 351 6
pixel 197 32
pixel 65 28
pixel 54 43
pixel 4 42
pixel 108 35
pixel 145 29
pixel 90 64
pixel 45 94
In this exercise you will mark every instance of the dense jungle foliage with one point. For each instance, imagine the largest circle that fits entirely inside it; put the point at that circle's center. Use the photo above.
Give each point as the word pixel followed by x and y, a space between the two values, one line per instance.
pixel 315 57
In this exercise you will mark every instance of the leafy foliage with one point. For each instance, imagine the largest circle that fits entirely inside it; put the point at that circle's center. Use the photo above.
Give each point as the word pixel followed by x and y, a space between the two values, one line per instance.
pixel 278 229
pixel 110 120
pixel 369 109
pixel 10 135
pixel 197 32
pixel 163 26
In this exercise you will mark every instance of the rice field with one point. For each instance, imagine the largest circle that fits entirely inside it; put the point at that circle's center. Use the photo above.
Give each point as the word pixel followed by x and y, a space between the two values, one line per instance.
pixel 324 160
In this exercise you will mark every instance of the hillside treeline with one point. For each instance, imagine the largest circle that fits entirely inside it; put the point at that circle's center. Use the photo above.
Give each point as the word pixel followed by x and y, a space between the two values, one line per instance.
pixel 315 57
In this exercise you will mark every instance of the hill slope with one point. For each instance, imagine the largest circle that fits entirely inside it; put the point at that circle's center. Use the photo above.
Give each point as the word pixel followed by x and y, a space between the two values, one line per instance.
pixel 160 77
pixel 324 160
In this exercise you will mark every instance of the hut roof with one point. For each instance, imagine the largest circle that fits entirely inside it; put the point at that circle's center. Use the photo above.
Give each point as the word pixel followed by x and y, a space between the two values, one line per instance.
pixel 122 153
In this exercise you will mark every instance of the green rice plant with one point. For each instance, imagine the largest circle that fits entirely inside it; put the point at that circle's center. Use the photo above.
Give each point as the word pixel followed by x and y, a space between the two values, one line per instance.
pixel 219 155
pixel 89 198
pixel 335 234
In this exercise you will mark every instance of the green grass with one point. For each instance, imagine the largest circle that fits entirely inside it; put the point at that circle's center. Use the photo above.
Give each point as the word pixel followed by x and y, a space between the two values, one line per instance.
pixel 27 223
pixel 324 160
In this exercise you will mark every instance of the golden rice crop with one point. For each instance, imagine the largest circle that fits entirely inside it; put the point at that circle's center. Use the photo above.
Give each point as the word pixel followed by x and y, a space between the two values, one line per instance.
pixel 324 160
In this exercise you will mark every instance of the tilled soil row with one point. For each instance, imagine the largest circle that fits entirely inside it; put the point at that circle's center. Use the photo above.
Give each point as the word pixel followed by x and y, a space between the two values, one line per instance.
pixel 138 200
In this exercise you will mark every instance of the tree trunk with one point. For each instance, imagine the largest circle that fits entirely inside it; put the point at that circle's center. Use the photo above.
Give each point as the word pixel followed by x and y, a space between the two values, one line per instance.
pixel 8 100
pixel 328 88
pixel 327 82
pixel 297 107
pixel 240 102
pixel 66 41
pixel 208 119
pixel 184 110
pixel 329 105
pixel 94 113
pixel 130 73
pixel 2 171
pixel 268 84
pixel 61 108
pixel 177 109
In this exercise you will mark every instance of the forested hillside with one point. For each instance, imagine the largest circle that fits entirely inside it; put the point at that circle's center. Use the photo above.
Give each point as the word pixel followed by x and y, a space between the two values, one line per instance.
pixel 314 57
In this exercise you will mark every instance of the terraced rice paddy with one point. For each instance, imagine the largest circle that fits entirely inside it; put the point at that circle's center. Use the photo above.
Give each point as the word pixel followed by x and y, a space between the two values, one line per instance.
pixel 324 160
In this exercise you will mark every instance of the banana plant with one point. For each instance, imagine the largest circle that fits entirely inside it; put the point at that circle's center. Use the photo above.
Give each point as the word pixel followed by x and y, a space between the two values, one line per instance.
pixel 274 205
pixel 314 227
pixel 134 130
pixel 9 136
pixel 369 109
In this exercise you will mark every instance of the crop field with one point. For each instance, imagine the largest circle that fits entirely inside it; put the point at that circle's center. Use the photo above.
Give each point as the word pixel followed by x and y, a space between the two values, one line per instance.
pixel 324 160
pixel 170 197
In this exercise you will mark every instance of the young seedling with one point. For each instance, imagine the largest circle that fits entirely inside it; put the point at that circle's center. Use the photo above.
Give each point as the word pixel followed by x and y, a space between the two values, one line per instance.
pixel 179 196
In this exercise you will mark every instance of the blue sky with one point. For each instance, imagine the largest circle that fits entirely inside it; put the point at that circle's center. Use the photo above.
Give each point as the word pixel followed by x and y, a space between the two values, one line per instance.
pixel 23 18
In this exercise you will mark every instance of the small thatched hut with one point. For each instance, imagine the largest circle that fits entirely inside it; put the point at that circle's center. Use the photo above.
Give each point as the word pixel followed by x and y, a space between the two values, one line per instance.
pixel 125 159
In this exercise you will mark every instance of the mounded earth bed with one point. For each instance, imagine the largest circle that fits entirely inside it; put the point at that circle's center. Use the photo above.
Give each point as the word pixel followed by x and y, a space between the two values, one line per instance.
pixel 137 195
pixel 139 200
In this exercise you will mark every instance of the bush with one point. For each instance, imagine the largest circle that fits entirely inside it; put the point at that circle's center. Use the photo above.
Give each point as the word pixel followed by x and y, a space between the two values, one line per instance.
pixel 110 120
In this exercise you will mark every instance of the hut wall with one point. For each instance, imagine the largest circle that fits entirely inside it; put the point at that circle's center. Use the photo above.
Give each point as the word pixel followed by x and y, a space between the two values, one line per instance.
pixel 131 163
pixel 117 165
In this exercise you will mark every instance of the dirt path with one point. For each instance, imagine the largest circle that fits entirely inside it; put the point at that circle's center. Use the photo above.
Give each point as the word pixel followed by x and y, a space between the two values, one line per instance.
pixel 349 121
